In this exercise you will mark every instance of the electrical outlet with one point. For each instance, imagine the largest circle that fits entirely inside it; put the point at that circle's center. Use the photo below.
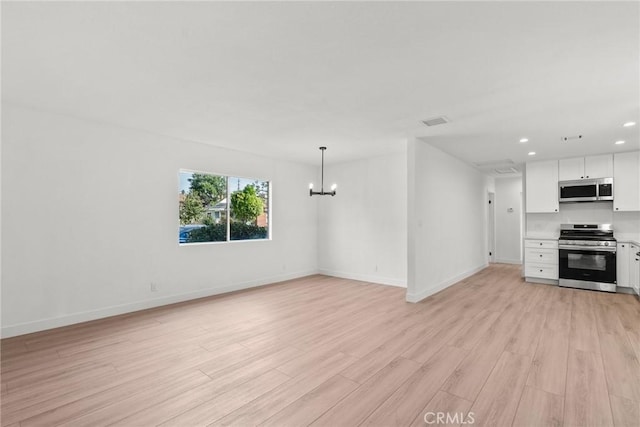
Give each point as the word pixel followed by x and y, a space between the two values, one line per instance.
pixel 153 287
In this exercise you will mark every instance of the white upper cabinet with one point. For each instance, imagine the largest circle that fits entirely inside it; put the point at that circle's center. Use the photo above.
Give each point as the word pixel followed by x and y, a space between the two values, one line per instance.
pixel 571 169
pixel 542 186
pixel 586 167
pixel 598 166
pixel 626 182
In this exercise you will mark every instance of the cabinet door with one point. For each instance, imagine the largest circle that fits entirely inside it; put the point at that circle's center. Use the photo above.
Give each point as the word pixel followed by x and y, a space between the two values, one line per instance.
pixel 626 181
pixel 571 169
pixel 622 265
pixel 542 186
pixel 598 166
pixel 541 256
pixel 541 271
pixel 634 268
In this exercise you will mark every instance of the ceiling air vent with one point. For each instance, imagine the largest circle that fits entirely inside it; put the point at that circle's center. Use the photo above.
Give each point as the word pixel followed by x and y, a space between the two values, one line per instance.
pixel 571 138
pixel 436 121
pixel 494 164
pixel 505 171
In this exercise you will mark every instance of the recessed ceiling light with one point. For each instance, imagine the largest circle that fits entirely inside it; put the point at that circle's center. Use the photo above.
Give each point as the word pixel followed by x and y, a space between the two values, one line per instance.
pixel 629 124
pixel 619 142
pixel 531 153
pixel 524 140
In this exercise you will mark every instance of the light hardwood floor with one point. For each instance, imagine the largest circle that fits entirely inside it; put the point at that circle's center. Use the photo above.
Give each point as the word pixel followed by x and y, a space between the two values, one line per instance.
pixel 335 352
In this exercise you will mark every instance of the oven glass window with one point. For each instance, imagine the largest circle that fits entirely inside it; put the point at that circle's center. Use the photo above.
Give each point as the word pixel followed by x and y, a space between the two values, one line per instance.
pixel 587 262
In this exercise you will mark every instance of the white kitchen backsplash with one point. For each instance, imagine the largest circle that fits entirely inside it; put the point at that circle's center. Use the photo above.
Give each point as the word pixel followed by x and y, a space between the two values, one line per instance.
pixel 547 225
pixel 626 226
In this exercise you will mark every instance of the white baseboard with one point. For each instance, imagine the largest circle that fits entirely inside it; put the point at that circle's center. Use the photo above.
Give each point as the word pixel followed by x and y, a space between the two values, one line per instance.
pixel 71 319
pixel 417 297
pixel 508 261
pixel 381 280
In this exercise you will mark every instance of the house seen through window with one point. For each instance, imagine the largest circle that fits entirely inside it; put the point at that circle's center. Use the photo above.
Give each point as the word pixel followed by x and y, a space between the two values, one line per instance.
pixel 216 208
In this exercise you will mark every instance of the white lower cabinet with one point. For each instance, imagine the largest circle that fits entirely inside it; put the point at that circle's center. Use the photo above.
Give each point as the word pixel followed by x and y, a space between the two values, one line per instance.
pixel 635 284
pixel 540 259
pixel 622 265
pixel 628 266
pixel 634 268
pixel 541 271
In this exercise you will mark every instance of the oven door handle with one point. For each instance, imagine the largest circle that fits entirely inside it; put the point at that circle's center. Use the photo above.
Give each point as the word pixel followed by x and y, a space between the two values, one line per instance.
pixel 588 248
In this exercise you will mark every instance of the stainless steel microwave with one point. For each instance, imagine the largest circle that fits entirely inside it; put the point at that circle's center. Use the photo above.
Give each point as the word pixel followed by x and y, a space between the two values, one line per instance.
pixel 586 190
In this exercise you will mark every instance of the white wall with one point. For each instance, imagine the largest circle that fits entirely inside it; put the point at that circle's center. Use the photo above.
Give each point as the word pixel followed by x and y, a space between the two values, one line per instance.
pixel 90 218
pixel 447 220
pixel 508 214
pixel 362 231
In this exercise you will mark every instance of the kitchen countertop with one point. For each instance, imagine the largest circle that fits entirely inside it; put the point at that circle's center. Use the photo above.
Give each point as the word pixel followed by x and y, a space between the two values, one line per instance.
pixel 541 236
pixel 628 237
pixel 620 237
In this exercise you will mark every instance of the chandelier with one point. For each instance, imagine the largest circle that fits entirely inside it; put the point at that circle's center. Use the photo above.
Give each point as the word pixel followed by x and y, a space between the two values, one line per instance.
pixel 322 192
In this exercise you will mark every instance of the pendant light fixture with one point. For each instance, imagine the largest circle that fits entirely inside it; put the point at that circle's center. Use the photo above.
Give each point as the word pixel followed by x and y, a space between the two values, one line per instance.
pixel 322 192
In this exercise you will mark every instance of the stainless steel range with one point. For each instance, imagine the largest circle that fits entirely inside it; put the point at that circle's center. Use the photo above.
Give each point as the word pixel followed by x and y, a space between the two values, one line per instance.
pixel 587 257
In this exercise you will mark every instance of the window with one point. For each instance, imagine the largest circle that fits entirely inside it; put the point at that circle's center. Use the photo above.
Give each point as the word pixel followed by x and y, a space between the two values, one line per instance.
pixel 207 216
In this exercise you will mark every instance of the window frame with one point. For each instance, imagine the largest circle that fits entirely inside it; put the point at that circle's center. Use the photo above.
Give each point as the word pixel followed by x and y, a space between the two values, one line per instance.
pixel 228 208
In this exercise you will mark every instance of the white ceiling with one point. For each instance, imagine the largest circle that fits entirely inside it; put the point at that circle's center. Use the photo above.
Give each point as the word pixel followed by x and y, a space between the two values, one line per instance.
pixel 283 78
